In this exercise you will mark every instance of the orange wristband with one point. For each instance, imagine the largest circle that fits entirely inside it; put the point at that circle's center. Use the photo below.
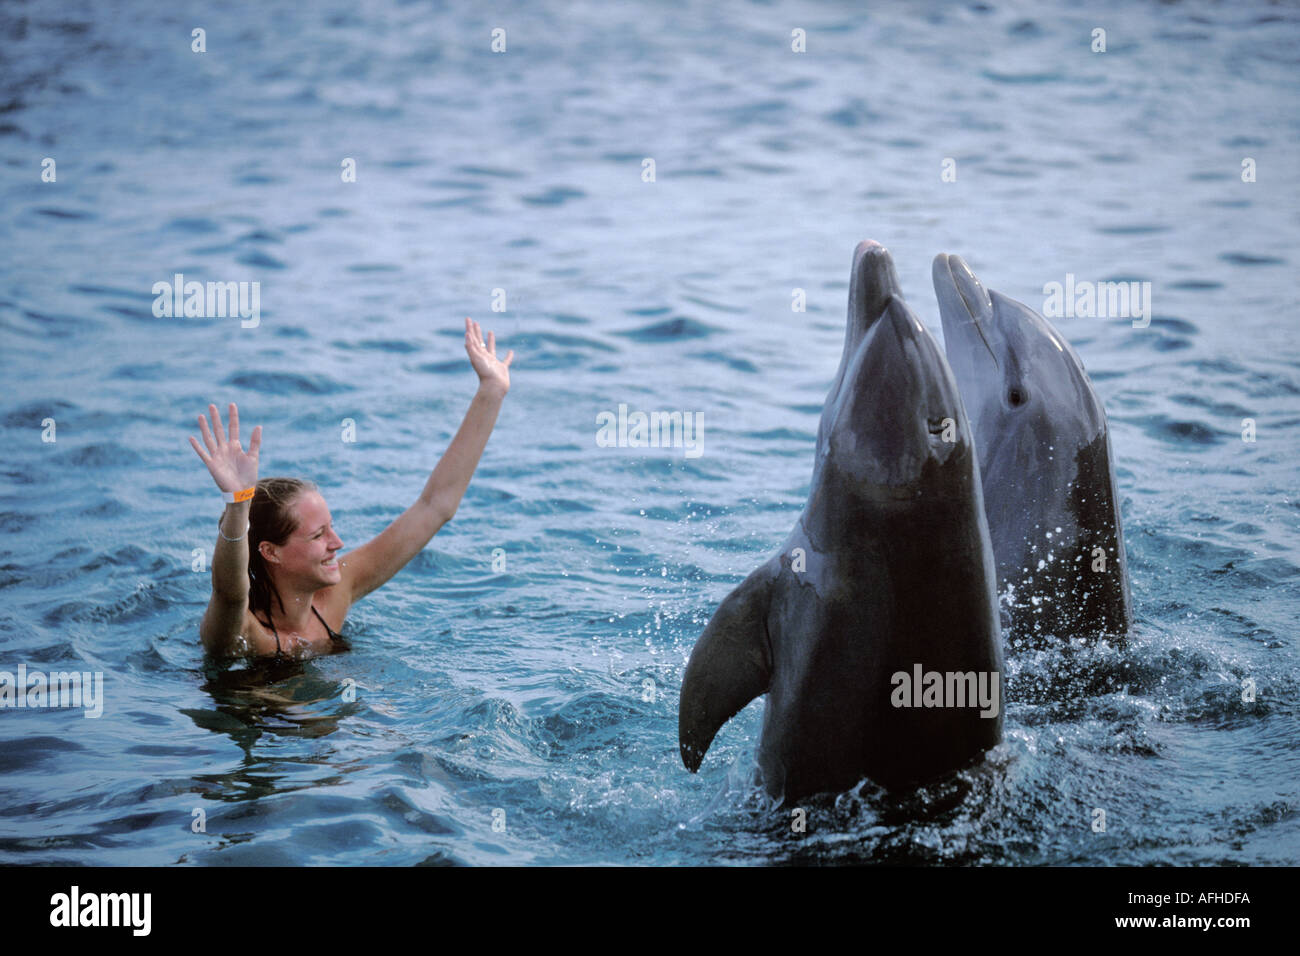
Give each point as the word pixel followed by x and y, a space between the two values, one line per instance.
pixel 234 497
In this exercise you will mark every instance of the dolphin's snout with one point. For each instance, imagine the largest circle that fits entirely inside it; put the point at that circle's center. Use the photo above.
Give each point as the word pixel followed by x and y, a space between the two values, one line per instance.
pixel 964 303
pixel 952 270
pixel 873 284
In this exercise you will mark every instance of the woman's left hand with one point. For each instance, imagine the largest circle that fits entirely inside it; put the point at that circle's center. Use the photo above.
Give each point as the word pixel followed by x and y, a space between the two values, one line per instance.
pixel 492 372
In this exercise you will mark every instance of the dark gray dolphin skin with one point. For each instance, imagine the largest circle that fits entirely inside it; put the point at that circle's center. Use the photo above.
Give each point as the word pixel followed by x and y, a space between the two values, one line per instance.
pixel 889 567
pixel 1045 460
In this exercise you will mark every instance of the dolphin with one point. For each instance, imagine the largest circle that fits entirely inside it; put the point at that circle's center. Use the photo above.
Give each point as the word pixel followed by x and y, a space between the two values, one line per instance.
pixel 1045 460
pixel 886 580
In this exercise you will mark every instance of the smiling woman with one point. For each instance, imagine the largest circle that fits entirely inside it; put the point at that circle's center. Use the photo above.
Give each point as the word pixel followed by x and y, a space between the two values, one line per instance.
pixel 278 594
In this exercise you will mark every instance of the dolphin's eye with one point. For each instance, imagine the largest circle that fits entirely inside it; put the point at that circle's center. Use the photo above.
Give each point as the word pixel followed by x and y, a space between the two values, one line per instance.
pixel 1017 397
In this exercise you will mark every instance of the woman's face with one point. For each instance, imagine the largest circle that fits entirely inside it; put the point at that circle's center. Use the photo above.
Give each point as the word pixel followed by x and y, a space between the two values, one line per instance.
pixel 309 556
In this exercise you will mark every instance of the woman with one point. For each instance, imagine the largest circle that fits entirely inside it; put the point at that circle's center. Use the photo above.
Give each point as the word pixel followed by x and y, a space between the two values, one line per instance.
pixel 279 587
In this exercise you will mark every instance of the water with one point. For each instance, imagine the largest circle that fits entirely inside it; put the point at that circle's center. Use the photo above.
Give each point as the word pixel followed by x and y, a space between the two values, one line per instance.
pixel 548 690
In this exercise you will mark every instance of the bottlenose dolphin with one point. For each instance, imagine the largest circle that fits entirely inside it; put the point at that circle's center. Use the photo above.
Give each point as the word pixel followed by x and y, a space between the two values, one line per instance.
pixel 888 572
pixel 1045 461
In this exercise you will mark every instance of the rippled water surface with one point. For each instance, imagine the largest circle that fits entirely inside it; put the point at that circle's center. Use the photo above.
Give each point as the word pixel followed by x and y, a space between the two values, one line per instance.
pixel 548 690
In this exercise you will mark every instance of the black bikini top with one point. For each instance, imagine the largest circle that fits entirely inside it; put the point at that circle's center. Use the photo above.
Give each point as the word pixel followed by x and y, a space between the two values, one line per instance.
pixel 334 638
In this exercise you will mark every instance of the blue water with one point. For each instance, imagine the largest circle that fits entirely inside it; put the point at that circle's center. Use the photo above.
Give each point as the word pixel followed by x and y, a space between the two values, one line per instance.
pixel 548 690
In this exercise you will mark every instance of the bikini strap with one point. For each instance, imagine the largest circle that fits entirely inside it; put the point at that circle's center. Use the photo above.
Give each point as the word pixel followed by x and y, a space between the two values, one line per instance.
pixel 328 630
pixel 278 653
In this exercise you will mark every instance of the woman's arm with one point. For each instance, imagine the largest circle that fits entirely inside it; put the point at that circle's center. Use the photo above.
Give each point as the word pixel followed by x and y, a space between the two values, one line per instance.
pixel 372 564
pixel 224 618
pixel 233 469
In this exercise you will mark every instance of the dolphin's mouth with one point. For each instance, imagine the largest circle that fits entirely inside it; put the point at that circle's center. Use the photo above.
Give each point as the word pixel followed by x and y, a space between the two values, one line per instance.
pixel 951 272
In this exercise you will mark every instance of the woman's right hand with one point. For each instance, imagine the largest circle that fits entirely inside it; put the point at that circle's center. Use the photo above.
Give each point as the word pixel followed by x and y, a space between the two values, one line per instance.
pixel 232 468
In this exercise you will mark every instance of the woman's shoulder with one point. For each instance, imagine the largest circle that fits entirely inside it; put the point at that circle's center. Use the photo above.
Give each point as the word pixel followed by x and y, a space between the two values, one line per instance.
pixel 254 637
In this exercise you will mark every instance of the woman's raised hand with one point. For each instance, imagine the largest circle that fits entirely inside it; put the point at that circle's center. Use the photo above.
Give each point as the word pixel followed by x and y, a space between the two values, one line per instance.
pixel 232 468
pixel 483 356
